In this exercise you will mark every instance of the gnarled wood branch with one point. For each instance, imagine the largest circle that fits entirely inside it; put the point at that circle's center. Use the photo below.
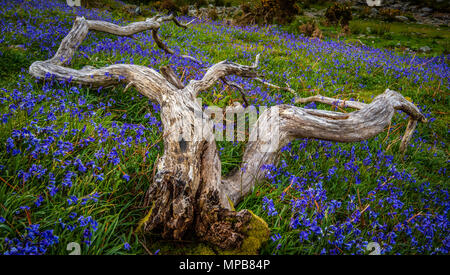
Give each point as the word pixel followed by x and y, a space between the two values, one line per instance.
pixel 331 101
pixel 236 86
pixel 219 71
pixel 171 76
pixel 110 75
pixel 295 122
pixel 268 84
pixel 412 122
pixel 188 194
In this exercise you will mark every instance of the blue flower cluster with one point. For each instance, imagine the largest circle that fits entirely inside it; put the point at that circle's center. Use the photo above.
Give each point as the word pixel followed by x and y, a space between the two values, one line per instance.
pixel 34 242
pixel 382 213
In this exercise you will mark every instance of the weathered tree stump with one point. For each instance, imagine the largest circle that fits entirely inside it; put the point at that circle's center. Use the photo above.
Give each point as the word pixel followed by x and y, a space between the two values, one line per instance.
pixel 188 193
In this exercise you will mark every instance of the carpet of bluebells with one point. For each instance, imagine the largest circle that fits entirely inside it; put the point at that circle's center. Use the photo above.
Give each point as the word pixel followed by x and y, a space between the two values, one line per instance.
pixel 75 162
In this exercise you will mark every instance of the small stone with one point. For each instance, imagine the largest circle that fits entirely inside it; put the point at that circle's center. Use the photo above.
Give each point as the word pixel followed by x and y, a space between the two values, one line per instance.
pixel 425 49
pixel 402 18
pixel 426 10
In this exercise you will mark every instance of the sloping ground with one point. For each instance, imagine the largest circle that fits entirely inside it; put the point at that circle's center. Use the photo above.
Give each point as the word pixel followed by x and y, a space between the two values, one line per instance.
pixel 75 162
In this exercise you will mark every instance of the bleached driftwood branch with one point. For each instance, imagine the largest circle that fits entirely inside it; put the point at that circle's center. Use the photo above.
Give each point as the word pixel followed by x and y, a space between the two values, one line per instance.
pixel 331 101
pixel 412 122
pixel 295 122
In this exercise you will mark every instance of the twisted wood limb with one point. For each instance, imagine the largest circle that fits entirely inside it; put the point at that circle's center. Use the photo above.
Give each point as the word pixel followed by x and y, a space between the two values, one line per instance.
pixel 268 84
pixel 412 123
pixel 171 76
pixel 331 101
pixel 220 70
pixel 294 122
pixel 236 86
pixel 111 75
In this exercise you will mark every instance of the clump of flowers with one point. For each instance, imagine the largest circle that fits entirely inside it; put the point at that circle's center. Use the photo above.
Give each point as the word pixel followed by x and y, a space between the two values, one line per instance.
pixel 34 242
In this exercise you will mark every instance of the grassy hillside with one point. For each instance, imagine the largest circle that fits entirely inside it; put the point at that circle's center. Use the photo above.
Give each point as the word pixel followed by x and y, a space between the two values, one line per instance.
pixel 75 162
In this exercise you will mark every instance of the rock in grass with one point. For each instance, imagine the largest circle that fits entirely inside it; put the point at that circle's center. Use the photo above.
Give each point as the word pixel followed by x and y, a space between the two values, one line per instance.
pixel 425 49
pixel 402 18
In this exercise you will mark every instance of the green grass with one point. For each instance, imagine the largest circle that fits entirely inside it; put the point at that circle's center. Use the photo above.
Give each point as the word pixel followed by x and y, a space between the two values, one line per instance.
pixel 395 36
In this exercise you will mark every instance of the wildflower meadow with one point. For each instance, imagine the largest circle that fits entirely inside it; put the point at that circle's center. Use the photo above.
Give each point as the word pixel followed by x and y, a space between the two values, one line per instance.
pixel 76 162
